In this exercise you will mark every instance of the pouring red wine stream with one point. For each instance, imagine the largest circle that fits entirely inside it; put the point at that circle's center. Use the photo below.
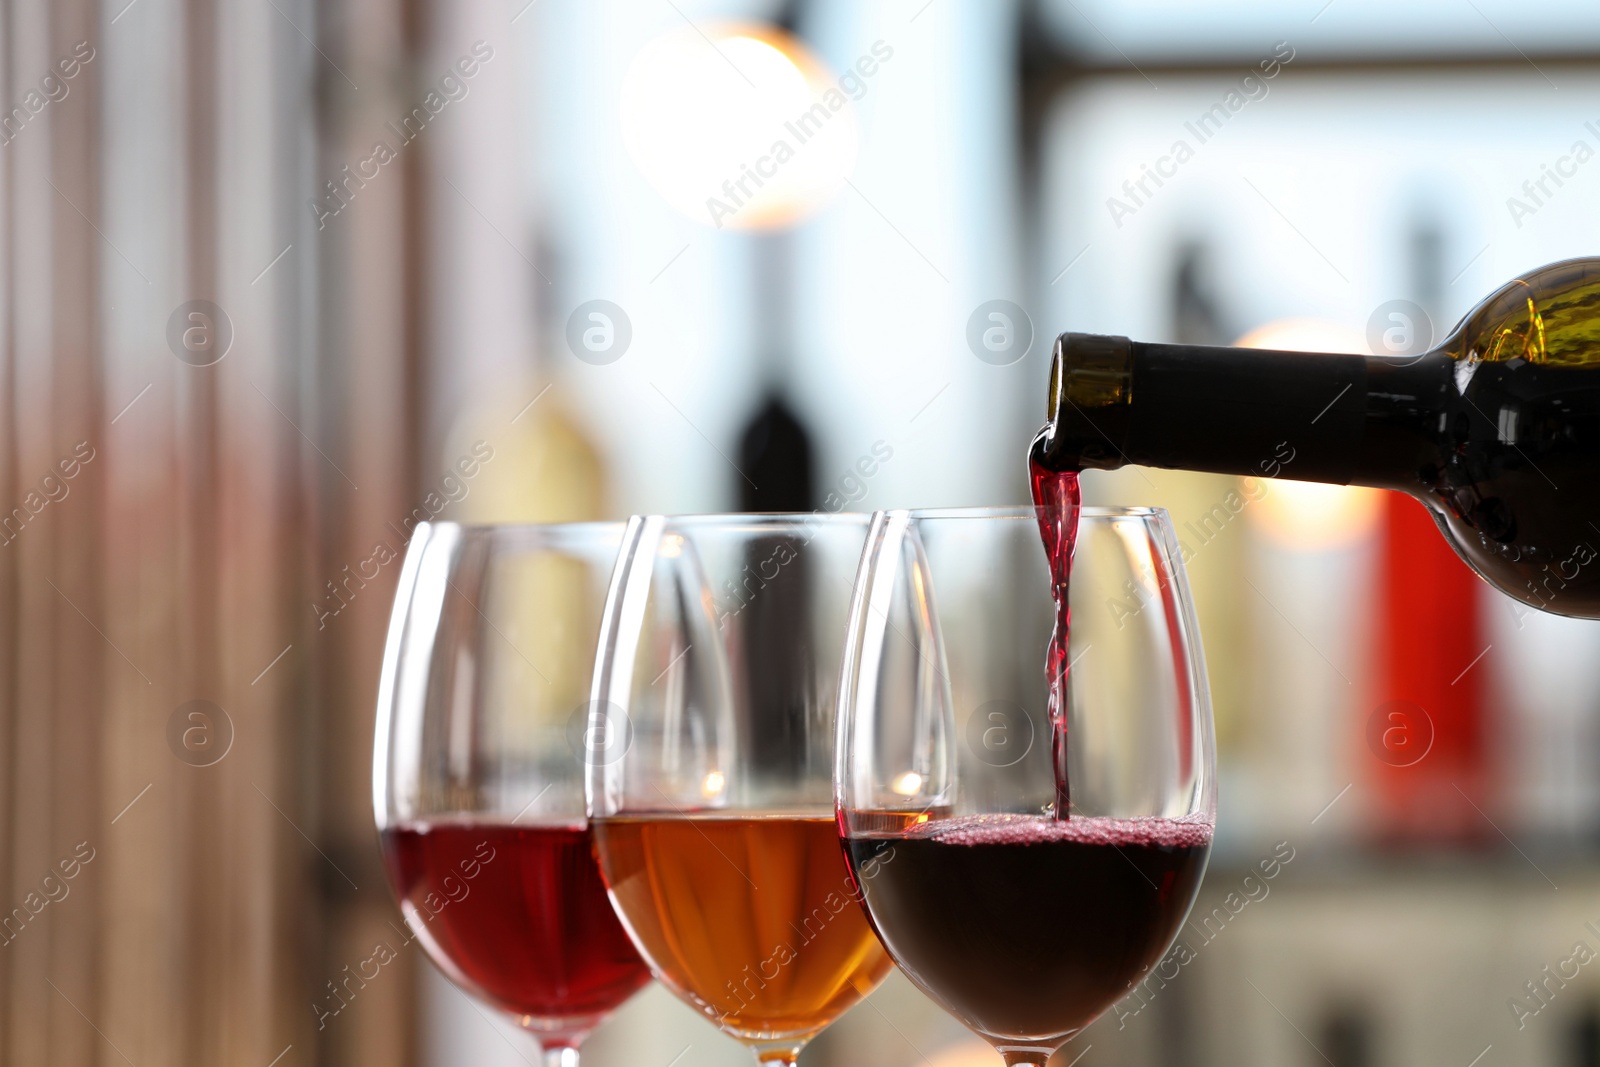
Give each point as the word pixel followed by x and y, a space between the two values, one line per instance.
pixel 1058 500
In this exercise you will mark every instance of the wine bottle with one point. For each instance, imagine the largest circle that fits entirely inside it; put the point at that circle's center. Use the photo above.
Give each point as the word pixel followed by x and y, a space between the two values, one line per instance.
pixel 1496 430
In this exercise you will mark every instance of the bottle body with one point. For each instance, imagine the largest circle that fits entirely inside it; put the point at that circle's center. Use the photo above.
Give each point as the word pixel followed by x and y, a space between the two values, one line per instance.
pixel 1496 431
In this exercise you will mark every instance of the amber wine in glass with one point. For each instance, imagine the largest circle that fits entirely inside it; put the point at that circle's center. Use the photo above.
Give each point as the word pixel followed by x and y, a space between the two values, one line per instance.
pixel 709 788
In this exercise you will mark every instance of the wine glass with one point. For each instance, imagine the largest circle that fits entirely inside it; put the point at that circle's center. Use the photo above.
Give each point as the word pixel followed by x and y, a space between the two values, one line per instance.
pixel 477 776
pixel 714 690
pixel 1023 921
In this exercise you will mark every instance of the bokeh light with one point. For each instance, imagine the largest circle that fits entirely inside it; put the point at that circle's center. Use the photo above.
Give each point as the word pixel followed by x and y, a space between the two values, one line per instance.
pixel 738 126
pixel 1311 516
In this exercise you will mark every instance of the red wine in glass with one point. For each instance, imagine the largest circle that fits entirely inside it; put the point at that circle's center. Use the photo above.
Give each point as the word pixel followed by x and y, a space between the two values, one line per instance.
pixel 519 915
pixel 1059 499
pixel 1025 927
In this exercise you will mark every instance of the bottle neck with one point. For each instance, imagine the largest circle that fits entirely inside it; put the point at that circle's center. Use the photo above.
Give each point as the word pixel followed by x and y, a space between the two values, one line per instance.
pixel 1322 417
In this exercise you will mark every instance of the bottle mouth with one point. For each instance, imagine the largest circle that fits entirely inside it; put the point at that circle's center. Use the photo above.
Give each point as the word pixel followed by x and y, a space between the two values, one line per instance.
pixel 1091 386
pixel 1052 402
pixel 1091 370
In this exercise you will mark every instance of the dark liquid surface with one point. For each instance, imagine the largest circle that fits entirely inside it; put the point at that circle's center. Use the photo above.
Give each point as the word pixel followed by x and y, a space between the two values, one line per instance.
pixel 529 927
pixel 1058 498
pixel 1027 928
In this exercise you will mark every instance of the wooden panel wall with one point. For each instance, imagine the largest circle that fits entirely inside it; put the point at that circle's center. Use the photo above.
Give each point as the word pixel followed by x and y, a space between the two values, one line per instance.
pixel 183 889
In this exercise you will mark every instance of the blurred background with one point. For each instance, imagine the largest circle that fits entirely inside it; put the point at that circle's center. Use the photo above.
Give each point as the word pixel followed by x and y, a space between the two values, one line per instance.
pixel 272 268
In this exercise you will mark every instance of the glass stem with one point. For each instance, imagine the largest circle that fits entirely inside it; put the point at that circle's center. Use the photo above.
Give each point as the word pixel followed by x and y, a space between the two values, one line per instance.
pixel 563 1056
pixel 777 1054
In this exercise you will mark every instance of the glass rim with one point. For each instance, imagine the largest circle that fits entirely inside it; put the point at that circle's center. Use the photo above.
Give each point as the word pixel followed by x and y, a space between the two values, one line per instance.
pixel 763 518
pixel 484 528
pixel 1019 511
pixel 697 518
pixel 724 519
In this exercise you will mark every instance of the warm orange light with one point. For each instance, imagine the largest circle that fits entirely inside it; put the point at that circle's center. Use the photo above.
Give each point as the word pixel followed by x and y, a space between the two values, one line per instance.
pixel 1304 335
pixel 908 784
pixel 1311 516
pixel 966 1054
pixel 737 125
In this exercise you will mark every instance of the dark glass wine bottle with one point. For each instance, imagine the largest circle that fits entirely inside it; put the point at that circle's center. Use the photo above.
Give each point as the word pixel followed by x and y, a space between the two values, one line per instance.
pixel 1496 430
